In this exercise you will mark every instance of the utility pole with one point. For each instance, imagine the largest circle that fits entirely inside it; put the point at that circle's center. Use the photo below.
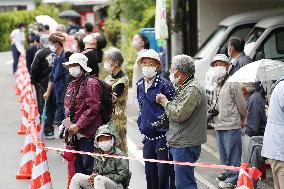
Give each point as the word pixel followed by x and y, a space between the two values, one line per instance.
pixel 184 27
pixel 176 29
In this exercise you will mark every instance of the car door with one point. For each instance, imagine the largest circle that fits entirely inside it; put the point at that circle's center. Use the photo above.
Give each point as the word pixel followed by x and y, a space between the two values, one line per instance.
pixel 272 46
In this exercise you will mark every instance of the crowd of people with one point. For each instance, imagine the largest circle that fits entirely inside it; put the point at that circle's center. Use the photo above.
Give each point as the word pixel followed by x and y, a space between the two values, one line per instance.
pixel 91 113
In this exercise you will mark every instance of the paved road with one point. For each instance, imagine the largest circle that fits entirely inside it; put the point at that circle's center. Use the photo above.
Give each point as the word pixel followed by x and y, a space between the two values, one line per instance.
pixel 12 143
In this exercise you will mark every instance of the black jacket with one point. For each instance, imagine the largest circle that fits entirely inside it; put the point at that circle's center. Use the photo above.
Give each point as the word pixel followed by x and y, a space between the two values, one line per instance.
pixel 30 54
pixel 40 68
pixel 94 58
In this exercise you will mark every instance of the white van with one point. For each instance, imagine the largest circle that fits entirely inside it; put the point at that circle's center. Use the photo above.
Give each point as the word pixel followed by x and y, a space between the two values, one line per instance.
pixel 266 40
pixel 236 25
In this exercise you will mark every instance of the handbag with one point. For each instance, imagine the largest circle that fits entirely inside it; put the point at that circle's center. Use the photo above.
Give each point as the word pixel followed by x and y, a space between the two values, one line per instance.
pixel 71 140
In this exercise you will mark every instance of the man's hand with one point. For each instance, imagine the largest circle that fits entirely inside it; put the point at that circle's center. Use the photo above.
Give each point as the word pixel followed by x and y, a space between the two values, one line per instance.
pixel 91 178
pixel 46 95
pixel 160 97
pixel 73 129
pixel 243 122
pixel 266 110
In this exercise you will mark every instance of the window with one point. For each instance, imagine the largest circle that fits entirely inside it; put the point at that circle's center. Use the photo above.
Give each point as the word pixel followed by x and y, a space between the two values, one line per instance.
pixel 273 45
pixel 208 45
pixel 240 31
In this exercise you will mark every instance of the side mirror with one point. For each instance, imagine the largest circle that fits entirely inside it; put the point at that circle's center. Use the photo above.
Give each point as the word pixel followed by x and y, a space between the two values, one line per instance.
pixel 259 55
pixel 223 50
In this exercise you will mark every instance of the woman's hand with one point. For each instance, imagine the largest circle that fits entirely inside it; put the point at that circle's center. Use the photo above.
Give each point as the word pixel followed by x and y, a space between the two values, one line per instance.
pixel 114 98
pixel 73 129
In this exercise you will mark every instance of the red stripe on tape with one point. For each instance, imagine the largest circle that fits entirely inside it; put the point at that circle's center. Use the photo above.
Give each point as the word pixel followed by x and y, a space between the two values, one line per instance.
pixel 205 165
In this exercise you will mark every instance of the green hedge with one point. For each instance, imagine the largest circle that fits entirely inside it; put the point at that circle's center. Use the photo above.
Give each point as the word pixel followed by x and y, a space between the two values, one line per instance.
pixel 11 20
pixel 126 18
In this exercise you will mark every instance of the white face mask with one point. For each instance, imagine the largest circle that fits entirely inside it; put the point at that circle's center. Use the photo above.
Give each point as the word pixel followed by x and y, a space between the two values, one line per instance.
pixel 75 71
pixel 173 79
pixel 219 72
pixel 74 47
pixel 107 67
pixel 105 145
pixel 52 48
pixel 135 44
pixel 149 72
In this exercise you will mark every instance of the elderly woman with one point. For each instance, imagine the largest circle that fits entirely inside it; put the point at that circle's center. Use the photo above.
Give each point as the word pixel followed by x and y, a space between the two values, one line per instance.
pixel 187 113
pixel 82 104
pixel 119 82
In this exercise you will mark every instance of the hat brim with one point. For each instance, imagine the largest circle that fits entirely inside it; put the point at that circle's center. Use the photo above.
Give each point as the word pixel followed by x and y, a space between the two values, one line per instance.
pixel 86 68
pixel 213 62
pixel 139 59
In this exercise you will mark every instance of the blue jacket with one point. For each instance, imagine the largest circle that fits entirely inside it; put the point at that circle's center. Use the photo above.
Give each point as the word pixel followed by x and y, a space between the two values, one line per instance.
pixel 256 119
pixel 149 109
pixel 274 132
pixel 58 75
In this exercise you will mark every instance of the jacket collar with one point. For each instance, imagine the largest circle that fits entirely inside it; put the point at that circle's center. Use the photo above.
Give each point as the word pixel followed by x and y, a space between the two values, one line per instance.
pixel 186 82
pixel 155 82
pixel 120 74
pixel 237 58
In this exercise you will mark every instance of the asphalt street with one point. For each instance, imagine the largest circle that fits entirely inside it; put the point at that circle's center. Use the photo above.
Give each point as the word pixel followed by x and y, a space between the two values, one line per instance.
pixel 11 143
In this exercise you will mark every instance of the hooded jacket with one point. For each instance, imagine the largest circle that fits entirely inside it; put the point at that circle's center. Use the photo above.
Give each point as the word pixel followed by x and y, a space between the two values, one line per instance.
pixel 113 168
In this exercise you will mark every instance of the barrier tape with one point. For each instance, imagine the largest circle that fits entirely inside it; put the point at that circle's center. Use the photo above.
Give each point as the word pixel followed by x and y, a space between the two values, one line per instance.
pixel 204 165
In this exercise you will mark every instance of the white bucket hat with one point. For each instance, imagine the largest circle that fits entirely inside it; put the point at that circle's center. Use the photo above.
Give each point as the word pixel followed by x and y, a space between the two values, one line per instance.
pixel 149 54
pixel 220 57
pixel 78 58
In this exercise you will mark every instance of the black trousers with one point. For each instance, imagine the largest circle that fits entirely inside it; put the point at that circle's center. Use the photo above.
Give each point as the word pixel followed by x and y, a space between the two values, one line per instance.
pixel 50 108
pixel 158 175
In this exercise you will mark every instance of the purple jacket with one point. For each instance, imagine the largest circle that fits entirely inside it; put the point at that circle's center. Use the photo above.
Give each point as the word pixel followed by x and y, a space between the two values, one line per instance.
pixel 87 105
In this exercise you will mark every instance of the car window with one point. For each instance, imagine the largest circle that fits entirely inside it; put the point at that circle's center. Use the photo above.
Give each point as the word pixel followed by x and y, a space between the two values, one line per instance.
pixel 208 45
pixel 273 47
pixel 240 31
pixel 253 35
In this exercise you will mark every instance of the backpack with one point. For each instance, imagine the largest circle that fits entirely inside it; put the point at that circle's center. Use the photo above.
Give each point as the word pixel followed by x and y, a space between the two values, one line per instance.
pixel 106 102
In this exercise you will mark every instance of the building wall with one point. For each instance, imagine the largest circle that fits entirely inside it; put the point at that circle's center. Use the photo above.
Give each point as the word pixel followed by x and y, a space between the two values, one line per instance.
pixel 14 5
pixel 211 12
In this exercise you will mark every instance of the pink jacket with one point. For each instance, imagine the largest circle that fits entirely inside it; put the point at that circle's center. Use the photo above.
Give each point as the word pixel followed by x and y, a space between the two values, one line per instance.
pixel 87 105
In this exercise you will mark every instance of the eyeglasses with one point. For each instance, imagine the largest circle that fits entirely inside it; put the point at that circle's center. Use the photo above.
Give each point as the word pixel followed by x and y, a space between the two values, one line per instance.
pixel 148 63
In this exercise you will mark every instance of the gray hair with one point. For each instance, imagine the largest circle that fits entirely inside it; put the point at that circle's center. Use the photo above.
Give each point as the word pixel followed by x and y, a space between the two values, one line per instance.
pixel 183 63
pixel 250 87
pixel 114 55
pixel 61 28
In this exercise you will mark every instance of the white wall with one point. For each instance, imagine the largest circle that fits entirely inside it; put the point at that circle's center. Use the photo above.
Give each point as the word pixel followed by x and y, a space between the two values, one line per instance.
pixel 14 3
pixel 211 12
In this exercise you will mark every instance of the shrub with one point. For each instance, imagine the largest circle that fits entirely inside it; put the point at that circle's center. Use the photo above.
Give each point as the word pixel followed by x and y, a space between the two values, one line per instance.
pixel 11 20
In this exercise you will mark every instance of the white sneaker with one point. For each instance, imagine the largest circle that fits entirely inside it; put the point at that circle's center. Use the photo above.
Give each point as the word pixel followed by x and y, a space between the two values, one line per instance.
pixel 226 185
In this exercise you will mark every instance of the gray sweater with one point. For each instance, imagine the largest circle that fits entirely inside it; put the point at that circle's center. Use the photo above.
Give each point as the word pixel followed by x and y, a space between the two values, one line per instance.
pixel 231 106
